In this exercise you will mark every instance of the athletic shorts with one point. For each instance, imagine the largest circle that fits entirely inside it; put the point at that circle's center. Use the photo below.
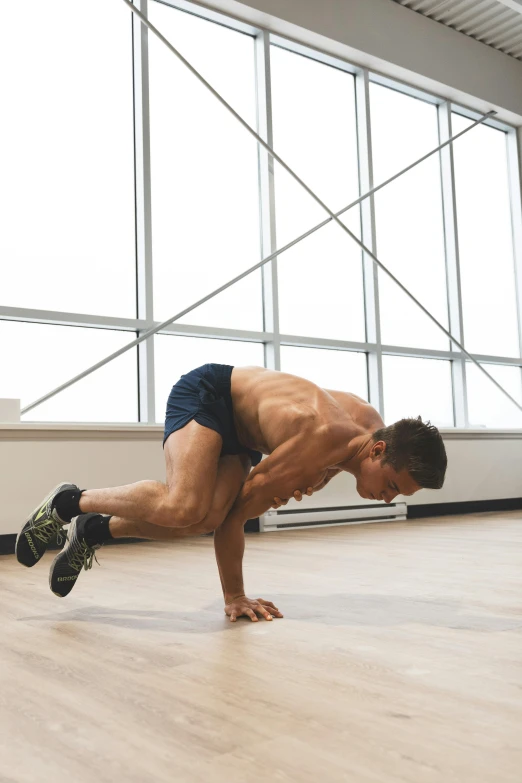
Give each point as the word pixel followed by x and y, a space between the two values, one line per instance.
pixel 203 395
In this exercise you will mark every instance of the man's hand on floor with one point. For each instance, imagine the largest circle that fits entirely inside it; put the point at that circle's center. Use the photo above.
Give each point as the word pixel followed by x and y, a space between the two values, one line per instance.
pixel 243 606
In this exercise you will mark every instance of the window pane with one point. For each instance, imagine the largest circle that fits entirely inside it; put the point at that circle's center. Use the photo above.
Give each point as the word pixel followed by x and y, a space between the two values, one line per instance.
pixel 417 387
pixel 410 229
pixel 67 158
pixel 485 245
pixel 174 356
pixel 320 279
pixel 341 370
pixel 204 169
pixel 487 406
pixel 53 355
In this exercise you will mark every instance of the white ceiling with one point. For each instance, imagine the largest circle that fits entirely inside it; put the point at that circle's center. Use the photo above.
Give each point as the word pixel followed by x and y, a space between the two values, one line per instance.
pixel 497 23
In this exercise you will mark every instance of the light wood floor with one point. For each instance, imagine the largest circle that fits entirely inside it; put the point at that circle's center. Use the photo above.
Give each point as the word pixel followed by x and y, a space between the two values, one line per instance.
pixel 399 659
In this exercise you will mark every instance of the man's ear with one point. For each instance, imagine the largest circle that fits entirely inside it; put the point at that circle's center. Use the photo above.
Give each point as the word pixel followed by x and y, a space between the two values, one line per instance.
pixel 378 449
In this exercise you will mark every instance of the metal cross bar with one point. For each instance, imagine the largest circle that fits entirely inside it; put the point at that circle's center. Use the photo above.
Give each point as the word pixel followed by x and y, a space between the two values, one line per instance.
pixel 316 198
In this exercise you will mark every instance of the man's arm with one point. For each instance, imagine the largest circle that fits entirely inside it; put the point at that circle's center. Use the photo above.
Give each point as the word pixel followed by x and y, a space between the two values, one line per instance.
pixel 298 494
pixel 297 462
pixel 330 473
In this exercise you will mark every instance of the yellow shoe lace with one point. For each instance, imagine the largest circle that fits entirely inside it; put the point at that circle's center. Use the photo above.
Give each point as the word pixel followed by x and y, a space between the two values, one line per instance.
pixel 83 558
pixel 47 530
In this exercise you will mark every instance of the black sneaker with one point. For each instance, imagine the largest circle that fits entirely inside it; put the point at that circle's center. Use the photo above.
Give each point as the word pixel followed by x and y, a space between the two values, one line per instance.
pixel 75 555
pixel 42 526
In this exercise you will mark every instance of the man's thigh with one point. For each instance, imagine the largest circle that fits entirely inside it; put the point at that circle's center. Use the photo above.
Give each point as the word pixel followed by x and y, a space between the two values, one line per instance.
pixel 231 474
pixel 192 457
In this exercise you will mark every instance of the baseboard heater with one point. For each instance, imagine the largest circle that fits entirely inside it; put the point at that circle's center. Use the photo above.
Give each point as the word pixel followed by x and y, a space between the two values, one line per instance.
pixel 328 517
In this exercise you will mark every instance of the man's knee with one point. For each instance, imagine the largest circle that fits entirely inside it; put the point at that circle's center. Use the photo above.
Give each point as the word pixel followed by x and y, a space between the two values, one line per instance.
pixel 211 522
pixel 179 512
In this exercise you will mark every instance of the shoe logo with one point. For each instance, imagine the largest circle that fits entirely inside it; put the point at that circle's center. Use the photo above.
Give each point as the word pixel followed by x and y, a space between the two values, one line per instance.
pixel 67 578
pixel 32 546
pixel 40 514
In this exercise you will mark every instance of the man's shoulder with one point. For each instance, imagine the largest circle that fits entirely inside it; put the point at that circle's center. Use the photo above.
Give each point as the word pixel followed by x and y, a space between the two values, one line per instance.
pixel 359 411
pixel 347 423
pixel 370 418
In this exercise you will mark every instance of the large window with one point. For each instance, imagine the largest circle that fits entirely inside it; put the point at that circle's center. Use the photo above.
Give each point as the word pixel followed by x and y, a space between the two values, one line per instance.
pixel 488 406
pixel 66 158
pixel 36 358
pixel 320 279
pixel 418 387
pixel 410 230
pixel 489 300
pixel 205 206
pixel 128 193
pixel 341 370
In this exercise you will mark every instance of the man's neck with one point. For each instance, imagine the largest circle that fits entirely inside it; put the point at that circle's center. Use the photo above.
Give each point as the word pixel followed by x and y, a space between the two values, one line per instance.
pixel 357 450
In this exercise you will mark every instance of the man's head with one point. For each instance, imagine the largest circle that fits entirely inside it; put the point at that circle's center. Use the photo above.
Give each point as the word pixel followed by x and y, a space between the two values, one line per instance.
pixel 403 458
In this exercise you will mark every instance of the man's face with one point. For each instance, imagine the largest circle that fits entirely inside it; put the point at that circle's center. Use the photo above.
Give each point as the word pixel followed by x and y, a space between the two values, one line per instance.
pixel 381 482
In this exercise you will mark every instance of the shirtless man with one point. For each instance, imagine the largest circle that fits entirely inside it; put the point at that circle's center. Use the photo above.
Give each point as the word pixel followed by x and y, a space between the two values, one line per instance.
pixel 219 422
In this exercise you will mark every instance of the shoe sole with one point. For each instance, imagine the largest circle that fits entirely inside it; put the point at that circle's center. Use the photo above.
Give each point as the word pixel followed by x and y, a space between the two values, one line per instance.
pixel 66 546
pixel 31 515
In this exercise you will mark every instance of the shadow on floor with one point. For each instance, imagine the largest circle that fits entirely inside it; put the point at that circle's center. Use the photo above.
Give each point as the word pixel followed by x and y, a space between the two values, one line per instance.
pixel 375 610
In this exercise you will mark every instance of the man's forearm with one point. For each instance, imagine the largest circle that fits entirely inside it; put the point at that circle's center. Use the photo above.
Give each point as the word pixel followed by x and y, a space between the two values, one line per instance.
pixel 256 497
pixel 229 545
pixel 229 538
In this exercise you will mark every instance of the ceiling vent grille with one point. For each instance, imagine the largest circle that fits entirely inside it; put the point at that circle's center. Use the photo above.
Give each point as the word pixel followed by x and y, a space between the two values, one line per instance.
pixel 497 23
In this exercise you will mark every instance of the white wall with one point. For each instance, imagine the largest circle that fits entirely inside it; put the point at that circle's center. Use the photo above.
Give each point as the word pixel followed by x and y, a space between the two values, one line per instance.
pixel 34 458
pixel 394 40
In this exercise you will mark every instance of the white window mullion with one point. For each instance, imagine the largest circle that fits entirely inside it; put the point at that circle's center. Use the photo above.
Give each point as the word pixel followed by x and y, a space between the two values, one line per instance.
pixel 267 202
pixel 369 238
pixel 514 153
pixel 143 216
pixel 460 403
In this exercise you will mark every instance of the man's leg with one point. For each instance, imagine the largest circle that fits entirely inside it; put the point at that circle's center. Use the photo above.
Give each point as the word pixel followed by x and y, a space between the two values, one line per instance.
pixel 232 472
pixel 90 530
pixel 192 456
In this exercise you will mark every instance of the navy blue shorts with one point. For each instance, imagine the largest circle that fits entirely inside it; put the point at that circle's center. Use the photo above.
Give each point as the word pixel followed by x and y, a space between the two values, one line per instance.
pixel 203 395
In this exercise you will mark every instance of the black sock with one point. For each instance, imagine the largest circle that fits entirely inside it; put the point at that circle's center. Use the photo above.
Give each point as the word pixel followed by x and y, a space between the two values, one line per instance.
pixel 96 529
pixel 67 503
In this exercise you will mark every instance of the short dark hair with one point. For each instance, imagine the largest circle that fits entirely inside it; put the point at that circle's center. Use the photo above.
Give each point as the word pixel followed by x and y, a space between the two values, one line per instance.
pixel 417 447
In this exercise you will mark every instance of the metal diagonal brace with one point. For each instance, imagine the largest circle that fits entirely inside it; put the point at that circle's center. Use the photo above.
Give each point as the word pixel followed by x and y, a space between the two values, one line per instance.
pixel 316 198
